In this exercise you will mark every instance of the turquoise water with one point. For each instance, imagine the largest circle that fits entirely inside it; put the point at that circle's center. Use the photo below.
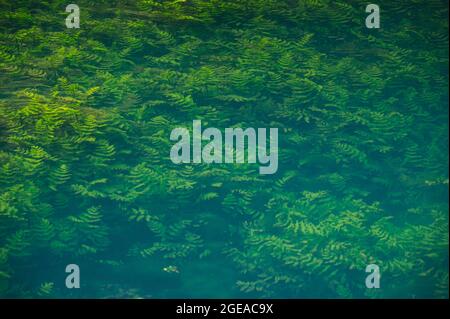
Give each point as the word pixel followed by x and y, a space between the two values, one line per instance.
pixel 86 176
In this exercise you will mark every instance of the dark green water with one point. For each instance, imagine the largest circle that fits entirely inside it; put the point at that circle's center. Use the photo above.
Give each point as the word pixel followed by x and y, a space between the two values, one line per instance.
pixel 86 176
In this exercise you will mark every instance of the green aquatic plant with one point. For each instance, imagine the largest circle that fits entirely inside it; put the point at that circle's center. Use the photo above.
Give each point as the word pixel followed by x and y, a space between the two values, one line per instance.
pixel 85 169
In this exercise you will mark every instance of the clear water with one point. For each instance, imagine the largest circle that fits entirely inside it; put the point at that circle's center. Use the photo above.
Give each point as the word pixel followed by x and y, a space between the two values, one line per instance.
pixel 86 177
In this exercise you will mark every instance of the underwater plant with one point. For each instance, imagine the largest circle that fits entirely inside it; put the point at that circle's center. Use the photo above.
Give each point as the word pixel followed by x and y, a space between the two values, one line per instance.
pixel 85 169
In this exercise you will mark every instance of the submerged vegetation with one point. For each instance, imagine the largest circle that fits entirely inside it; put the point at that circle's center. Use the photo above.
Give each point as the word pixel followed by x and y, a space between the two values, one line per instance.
pixel 86 176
